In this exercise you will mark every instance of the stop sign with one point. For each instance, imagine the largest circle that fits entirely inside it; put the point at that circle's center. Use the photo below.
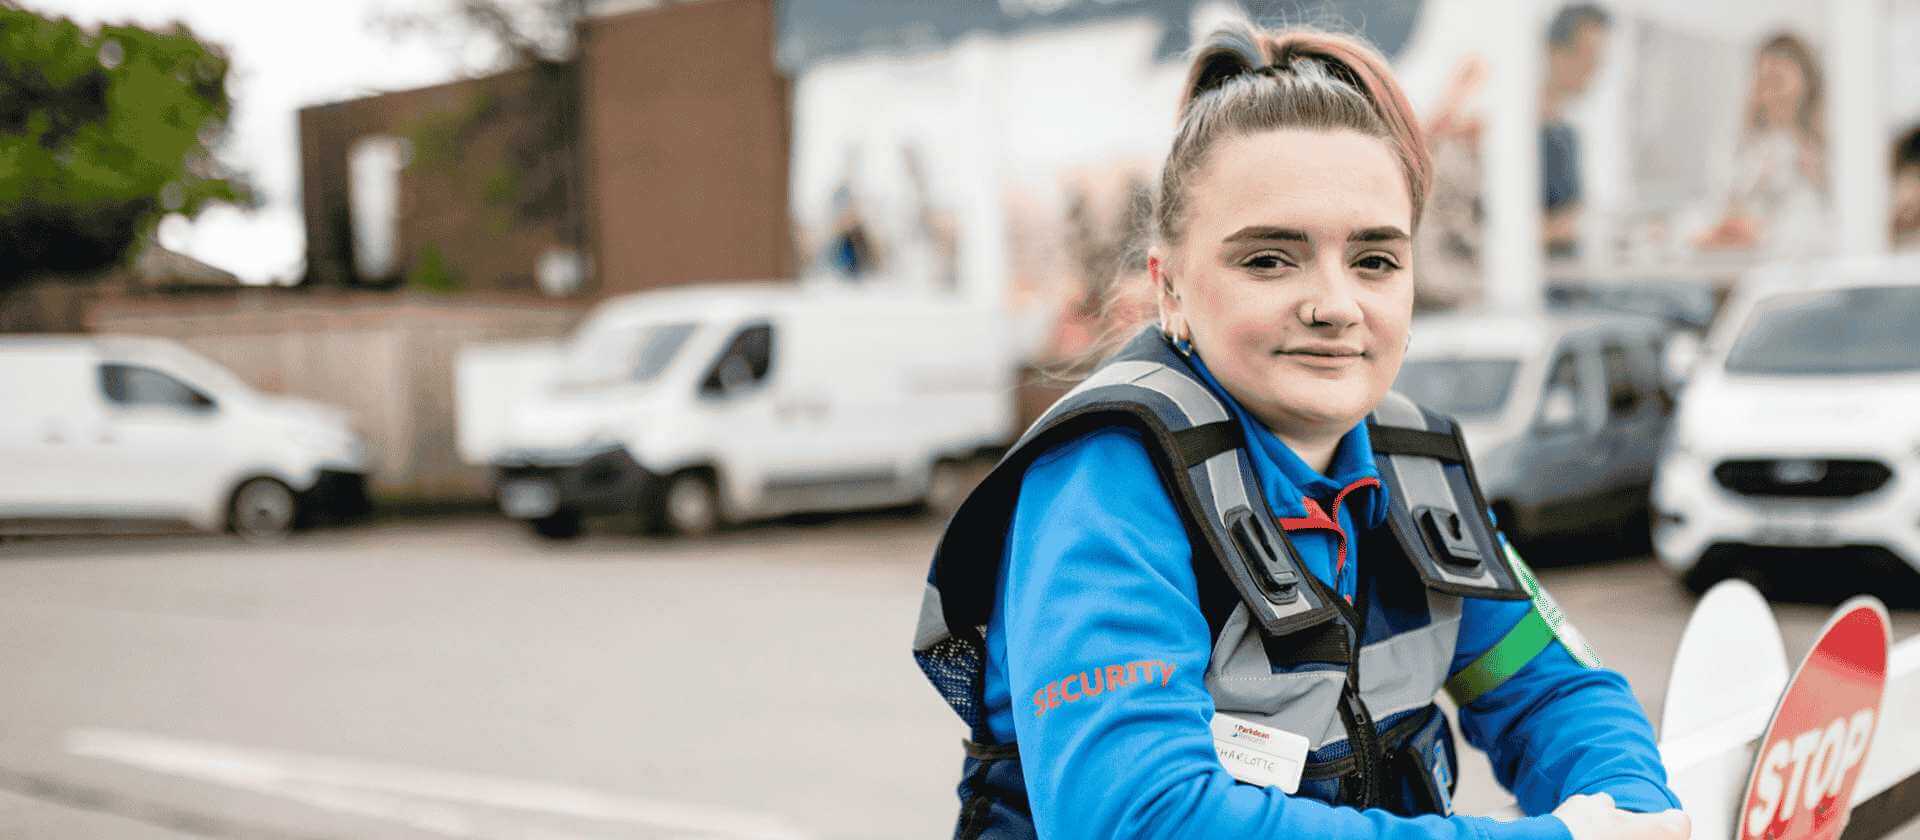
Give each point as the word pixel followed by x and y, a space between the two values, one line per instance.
pixel 1815 747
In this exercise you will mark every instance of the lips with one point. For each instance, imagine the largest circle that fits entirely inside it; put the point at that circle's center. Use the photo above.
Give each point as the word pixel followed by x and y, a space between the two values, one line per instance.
pixel 1324 352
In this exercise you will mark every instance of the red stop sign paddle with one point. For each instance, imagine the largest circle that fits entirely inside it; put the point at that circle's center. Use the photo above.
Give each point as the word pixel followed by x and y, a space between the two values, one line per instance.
pixel 1803 776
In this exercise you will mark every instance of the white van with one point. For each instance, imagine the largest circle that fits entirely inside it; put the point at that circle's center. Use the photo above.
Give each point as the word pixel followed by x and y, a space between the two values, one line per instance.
pixel 1798 437
pixel 702 405
pixel 124 431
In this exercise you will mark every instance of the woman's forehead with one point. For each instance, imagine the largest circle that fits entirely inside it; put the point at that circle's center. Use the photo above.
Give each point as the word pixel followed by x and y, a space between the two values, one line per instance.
pixel 1327 183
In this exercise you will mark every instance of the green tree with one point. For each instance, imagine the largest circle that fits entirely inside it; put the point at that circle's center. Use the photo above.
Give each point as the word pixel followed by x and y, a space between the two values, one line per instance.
pixel 539 181
pixel 102 134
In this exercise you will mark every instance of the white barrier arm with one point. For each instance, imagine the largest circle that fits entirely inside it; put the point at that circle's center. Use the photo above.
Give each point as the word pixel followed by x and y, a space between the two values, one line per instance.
pixel 1888 795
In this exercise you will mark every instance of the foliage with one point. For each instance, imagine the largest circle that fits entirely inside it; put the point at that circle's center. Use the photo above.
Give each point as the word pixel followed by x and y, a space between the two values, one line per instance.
pixel 537 182
pixel 101 135
pixel 431 273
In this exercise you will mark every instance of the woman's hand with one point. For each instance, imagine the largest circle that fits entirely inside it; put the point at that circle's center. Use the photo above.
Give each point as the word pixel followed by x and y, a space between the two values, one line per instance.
pixel 1595 818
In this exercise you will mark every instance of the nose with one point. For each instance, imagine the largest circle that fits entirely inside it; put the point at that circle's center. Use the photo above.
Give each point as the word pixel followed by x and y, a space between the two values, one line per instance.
pixel 1330 302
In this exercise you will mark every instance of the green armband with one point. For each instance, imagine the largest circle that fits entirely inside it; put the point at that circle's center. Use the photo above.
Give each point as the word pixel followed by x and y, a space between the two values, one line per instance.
pixel 1521 644
pixel 1535 631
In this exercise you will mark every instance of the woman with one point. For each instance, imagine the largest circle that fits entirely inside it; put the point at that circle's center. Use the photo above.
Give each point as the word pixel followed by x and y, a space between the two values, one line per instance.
pixel 1206 597
pixel 1774 201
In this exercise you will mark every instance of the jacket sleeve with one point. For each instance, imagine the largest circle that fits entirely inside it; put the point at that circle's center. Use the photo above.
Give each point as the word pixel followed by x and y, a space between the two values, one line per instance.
pixel 1106 655
pixel 1560 724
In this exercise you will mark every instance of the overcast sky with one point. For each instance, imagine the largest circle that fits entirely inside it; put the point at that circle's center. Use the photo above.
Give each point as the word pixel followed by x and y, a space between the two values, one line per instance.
pixel 285 56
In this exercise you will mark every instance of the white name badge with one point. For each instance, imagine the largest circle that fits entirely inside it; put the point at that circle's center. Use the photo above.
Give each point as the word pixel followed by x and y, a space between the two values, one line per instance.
pixel 1259 755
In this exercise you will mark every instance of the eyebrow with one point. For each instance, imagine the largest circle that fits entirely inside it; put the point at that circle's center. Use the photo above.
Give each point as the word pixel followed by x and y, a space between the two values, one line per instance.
pixel 1256 233
pixel 1384 233
pixel 1260 233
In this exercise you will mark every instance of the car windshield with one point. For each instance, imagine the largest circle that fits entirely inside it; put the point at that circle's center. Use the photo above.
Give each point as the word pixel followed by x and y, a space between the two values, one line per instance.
pixel 1843 331
pixel 622 355
pixel 1462 387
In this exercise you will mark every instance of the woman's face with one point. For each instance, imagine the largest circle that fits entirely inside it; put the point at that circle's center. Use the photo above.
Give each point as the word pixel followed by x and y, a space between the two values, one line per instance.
pixel 1779 87
pixel 1294 275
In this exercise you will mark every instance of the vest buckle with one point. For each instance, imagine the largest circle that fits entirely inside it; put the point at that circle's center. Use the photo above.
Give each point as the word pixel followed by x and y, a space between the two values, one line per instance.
pixel 1273 562
pixel 1447 537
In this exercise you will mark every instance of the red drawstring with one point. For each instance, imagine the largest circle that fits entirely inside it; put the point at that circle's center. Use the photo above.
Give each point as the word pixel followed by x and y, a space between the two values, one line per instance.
pixel 1319 520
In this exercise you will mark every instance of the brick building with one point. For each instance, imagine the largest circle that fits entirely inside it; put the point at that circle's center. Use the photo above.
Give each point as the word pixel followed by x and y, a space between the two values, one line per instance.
pixel 678 168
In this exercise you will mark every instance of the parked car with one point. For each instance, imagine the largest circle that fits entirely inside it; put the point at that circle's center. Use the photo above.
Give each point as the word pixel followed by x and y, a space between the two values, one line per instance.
pixel 126 431
pixel 1798 439
pixel 1562 411
pixel 699 406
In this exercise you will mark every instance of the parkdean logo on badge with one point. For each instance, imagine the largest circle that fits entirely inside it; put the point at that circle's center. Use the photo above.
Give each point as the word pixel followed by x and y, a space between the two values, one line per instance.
pixel 1089 684
pixel 1241 730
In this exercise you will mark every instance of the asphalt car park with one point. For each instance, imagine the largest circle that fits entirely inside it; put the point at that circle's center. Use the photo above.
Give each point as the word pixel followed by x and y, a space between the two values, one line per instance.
pixel 461 677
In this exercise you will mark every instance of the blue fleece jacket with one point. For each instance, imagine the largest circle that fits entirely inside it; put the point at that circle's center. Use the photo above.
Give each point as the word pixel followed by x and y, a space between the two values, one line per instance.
pixel 1098 571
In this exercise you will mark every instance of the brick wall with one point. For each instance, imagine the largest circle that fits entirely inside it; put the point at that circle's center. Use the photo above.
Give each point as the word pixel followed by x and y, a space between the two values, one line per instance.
pixel 686 127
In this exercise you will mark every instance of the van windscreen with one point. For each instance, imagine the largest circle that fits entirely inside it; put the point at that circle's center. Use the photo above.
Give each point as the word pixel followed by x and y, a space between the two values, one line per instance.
pixel 623 355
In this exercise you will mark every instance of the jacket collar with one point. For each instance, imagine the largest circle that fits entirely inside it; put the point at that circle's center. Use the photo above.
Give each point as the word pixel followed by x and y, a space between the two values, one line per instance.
pixel 1287 480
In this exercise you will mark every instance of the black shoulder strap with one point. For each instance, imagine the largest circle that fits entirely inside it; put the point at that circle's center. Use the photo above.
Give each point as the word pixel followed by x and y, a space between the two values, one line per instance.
pixel 1435 508
pixel 1197 448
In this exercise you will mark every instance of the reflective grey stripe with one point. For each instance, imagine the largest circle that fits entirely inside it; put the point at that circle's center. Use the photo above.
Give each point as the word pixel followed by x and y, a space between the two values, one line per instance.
pixel 933 621
pixel 1190 397
pixel 1422 482
pixel 1407 671
pixel 1219 477
pixel 1397 675
pixel 1194 400
pixel 1398 410
pixel 1224 480
pixel 1243 684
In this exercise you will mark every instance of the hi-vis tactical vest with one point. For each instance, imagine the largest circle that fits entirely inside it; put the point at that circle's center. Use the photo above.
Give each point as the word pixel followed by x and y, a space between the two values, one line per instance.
pixel 1376 738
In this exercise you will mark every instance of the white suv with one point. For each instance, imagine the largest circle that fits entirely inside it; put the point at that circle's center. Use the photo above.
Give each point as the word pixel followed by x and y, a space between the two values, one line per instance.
pixel 1798 439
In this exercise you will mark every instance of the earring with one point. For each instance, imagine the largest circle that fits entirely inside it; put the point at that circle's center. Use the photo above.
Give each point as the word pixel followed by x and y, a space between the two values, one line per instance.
pixel 1184 344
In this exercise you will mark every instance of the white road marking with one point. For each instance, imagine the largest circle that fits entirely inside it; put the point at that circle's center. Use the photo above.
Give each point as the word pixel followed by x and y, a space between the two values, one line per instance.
pixel 417 797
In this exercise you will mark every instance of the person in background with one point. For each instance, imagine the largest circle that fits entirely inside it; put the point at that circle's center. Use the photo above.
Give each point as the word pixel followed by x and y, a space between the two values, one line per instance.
pixel 1576 40
pixel 1906 190
pixel 1205 565
pixel 1775 201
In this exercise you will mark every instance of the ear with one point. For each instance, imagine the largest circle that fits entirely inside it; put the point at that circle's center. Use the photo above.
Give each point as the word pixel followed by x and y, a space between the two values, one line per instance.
pixel 1163 292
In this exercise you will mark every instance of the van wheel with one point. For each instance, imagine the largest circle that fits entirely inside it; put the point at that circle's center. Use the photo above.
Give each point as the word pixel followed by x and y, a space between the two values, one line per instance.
pixel 559 525
pixel 263 510
pixel 690 504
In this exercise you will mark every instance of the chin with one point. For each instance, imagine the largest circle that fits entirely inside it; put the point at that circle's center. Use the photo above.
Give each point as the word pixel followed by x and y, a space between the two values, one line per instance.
pixel 1341 401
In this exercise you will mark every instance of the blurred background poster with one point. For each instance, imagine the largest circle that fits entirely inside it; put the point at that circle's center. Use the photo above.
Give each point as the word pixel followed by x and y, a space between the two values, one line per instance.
pixel 1013 154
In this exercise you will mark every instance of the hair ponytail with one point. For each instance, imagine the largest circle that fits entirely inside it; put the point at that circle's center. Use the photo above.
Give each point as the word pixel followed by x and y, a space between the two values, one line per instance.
pixel 1243 79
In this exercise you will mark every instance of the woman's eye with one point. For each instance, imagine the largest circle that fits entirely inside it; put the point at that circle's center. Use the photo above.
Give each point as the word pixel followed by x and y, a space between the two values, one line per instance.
pixel 1265 262
pixel 1376 262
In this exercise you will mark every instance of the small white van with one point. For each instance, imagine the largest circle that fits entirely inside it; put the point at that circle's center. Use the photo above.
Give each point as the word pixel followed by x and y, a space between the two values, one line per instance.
pixel 112 431
pixel 701 405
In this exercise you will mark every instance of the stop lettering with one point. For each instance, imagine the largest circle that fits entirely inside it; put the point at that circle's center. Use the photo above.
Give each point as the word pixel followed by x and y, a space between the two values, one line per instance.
pixel 1815 748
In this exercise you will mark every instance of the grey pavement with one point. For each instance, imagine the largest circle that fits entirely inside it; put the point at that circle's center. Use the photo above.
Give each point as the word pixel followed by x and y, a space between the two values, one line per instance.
pixel 459 678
